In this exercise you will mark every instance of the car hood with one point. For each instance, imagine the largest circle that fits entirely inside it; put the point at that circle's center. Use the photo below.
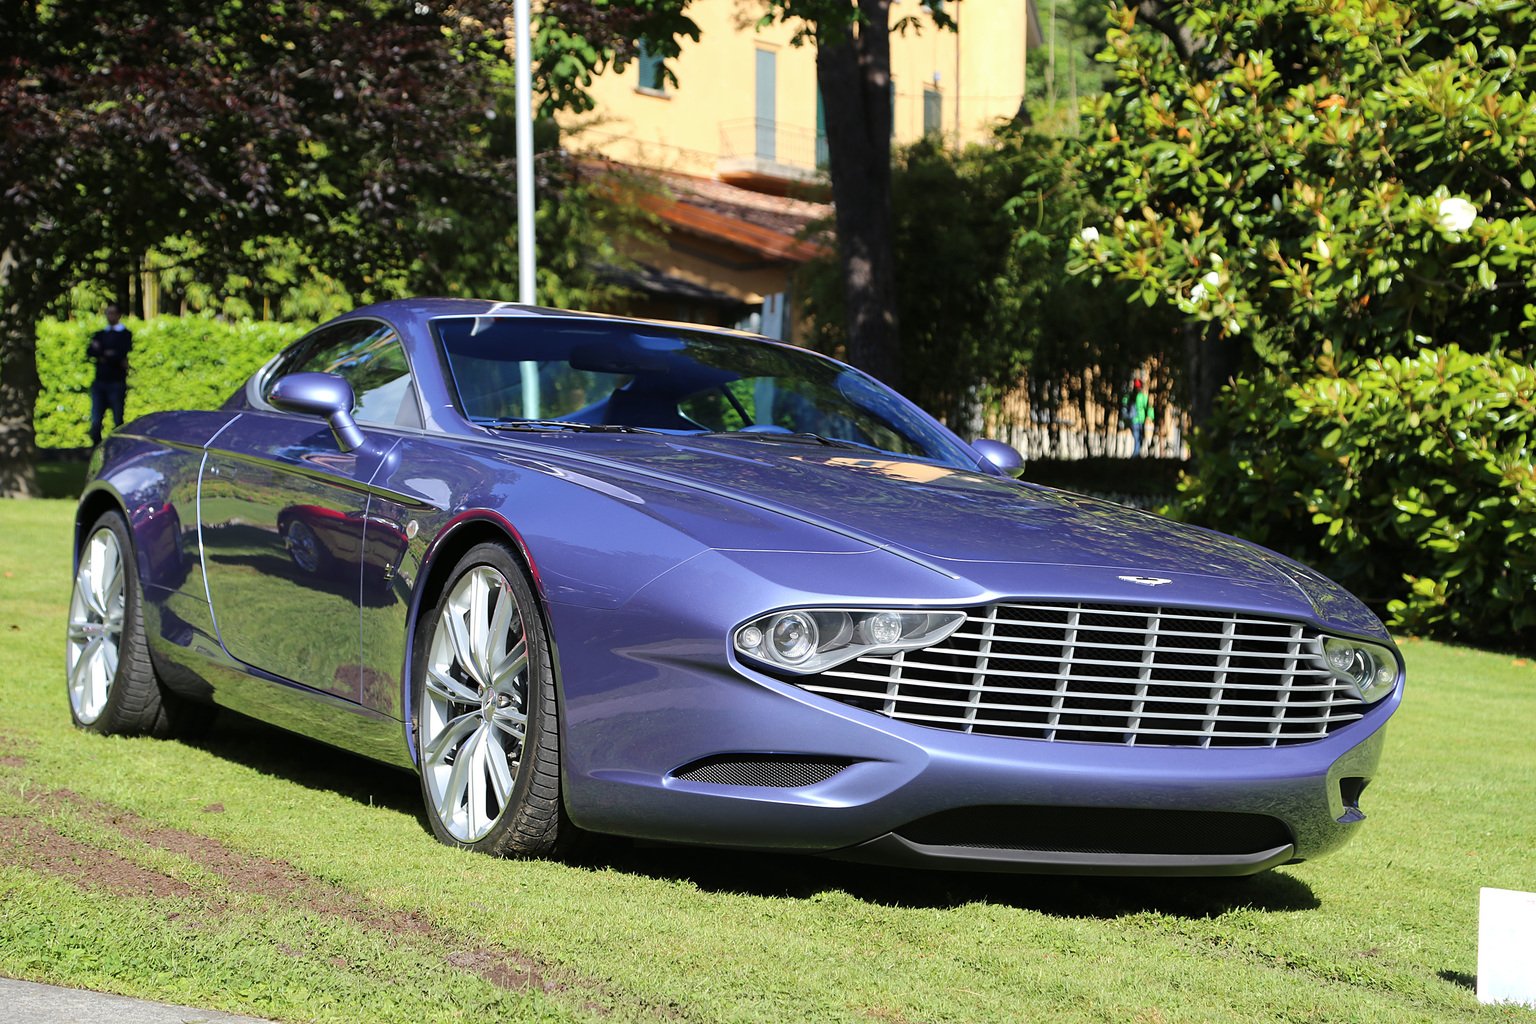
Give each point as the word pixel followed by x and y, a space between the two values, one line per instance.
pixel 947 515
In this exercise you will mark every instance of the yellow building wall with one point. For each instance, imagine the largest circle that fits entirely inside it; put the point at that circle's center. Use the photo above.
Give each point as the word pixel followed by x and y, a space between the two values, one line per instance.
pixel 978 73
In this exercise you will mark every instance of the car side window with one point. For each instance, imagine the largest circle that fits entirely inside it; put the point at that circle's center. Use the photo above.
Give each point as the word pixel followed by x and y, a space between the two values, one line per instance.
pixel 368 356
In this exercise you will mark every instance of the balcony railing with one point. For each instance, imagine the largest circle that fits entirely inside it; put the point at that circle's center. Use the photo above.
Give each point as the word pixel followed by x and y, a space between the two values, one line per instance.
pixel 761 146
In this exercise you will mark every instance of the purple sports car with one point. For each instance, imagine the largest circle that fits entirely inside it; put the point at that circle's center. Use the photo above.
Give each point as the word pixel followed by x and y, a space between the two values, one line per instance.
pixel 587 574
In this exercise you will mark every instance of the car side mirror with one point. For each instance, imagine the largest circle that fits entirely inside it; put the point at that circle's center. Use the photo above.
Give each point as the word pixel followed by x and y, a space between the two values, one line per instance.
pixel 320 394
pixel 1003 456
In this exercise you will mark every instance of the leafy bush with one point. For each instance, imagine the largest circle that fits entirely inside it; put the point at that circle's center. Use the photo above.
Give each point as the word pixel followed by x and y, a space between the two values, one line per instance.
pixel 1353 176
pixel 177 363
pixel 1410 481
pixel 981 239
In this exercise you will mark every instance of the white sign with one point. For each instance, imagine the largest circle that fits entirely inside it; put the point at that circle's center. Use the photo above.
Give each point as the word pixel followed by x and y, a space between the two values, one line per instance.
pixel 1506 947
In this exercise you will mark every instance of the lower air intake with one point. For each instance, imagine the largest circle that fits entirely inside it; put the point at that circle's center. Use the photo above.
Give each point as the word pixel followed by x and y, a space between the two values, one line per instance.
pixel 781 771
pixel 1099 830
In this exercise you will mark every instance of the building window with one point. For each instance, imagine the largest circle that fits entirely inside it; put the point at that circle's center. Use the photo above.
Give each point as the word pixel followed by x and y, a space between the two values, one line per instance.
pixel 766 110
pixel 653 75
pixel 933 111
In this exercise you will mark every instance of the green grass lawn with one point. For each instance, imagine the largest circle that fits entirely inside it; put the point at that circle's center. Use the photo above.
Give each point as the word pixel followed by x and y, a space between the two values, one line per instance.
pixel 263 874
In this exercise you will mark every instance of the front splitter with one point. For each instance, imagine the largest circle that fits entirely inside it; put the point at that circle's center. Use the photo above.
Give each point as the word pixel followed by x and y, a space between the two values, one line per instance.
pixel 892 850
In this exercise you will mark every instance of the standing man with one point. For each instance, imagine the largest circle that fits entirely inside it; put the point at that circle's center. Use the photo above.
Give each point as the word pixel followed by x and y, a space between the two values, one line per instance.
pixel 109 349
pixel 1136 410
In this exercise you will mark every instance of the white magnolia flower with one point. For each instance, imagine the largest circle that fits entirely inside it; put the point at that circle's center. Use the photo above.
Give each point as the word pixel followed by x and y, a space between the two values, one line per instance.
pixel 1456 214
pixel 1090 234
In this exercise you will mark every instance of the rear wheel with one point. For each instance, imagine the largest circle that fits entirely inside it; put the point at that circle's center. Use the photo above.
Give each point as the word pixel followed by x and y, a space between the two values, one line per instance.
pixel 109 677
pixel 487 734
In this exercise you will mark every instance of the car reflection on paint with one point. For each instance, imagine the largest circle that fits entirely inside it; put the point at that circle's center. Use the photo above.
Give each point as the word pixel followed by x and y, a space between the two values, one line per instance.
pixel 318 538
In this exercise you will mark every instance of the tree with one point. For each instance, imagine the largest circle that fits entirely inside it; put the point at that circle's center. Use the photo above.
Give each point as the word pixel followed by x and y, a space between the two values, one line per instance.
pixel 217 123
pixel 853 72
pixel 981 244
pixel 1324 181
pixel 1064 67
pixel 268 142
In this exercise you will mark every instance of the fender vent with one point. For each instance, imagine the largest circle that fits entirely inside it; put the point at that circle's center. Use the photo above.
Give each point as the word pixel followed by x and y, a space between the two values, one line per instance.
pixel 783 771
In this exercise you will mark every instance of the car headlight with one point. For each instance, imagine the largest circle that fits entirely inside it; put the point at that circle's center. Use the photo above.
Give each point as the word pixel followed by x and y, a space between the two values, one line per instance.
pixel 1370 668
pixel 809 640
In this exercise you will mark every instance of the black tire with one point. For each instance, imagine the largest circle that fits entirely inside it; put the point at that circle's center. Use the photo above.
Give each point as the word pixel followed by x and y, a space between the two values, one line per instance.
pixel 462 727
pixel 109 678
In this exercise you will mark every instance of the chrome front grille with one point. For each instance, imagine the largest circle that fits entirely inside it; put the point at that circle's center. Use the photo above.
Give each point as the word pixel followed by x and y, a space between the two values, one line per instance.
pixel 1108 674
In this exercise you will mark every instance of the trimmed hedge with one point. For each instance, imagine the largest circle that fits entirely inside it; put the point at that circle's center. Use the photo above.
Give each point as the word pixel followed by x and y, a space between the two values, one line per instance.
pixel 1409 481
pixel 177 363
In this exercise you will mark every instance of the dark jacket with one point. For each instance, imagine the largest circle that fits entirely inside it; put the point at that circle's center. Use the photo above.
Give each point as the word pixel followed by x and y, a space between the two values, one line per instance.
pixel 110 350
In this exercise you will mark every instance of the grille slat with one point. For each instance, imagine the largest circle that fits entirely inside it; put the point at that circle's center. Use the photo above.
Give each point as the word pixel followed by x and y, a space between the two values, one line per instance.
pixel 1027 692
pixel 1108 674
pixel 1264 720
pixel 1314 733
pixel 941 651
pixel 962 634
pixel 1321 688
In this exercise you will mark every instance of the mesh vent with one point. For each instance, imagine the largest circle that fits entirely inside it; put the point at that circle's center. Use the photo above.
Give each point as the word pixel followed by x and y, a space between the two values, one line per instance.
pixel 784 771
pixel 1099 830
pixel 1108 674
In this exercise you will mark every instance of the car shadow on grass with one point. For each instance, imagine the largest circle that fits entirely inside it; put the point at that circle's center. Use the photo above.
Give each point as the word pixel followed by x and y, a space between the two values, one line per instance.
pixel 788 876
pixel 313 765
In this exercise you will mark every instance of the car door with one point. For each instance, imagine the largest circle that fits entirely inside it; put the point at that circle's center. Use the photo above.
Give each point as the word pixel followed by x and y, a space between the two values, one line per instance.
pixel 283 513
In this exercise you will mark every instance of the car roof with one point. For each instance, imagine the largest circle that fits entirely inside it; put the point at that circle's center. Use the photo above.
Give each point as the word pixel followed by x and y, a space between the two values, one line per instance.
pixel 421 310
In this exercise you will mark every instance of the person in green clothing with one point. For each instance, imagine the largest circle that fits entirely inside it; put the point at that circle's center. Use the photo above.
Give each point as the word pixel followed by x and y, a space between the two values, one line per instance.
pixel 1136 412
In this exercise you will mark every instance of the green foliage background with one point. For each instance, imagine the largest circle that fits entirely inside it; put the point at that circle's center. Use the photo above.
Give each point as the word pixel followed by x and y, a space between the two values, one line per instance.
pixel 1349 178
pixel 982 239
pixel 177 363
pixel 1343 193
pixel 1407 480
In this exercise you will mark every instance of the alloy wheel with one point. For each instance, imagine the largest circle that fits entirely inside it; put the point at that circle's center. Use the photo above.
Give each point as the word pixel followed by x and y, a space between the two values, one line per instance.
pixel 95 625
pixel 475 710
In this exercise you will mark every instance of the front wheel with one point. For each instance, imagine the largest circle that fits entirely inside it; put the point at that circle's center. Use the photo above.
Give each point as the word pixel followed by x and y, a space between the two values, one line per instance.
pixel 108 673
pixel 487 735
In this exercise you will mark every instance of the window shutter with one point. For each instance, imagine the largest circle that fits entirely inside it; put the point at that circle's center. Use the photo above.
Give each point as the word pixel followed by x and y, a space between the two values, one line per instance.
pixel 823 154
pixel 933 111
pixel 651 69
pixel 767 111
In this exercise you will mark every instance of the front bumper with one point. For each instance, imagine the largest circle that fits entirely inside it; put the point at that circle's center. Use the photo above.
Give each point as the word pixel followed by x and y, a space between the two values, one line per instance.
pixel 637 716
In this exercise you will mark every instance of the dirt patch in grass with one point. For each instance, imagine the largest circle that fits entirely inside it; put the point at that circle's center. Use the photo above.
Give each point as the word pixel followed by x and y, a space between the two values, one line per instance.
pixel 509 971
pixel 12 751
pixel 34 846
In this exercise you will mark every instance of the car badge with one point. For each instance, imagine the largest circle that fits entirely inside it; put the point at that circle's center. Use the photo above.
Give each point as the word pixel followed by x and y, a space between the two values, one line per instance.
pixel 1146 581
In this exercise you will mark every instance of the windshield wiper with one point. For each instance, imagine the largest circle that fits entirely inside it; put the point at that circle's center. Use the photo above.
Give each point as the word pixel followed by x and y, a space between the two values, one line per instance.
pixel 513 423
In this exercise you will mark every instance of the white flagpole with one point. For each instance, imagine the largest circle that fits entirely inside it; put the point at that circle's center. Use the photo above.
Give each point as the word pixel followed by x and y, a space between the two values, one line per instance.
pixel 525 260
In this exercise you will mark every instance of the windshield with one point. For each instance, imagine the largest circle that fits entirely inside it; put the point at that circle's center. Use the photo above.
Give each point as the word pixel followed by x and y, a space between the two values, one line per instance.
pixel 511 370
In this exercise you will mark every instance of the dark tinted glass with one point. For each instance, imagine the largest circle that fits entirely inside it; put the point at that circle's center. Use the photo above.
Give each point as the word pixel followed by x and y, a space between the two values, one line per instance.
pixel 367 354
pixel 517 368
